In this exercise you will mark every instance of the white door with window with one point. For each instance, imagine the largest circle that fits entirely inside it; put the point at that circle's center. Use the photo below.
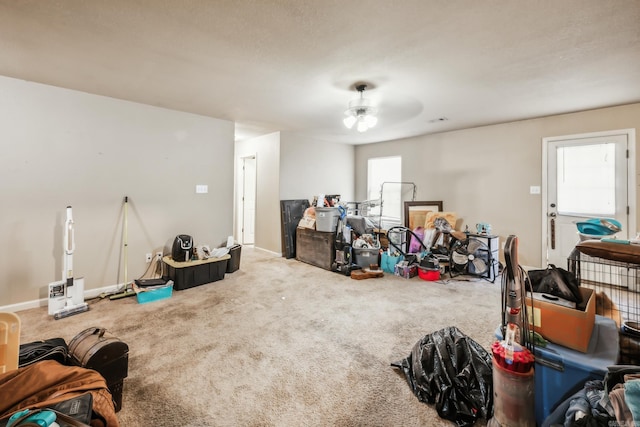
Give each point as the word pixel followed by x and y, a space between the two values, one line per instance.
pixel 587 176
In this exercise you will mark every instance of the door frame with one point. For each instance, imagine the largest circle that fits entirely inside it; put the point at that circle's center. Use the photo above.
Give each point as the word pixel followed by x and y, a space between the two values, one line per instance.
pixel 240 194
pixel 631 179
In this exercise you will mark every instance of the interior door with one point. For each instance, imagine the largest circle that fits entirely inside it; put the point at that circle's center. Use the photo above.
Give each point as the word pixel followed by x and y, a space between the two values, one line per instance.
pixel 248 200
pixel 586 178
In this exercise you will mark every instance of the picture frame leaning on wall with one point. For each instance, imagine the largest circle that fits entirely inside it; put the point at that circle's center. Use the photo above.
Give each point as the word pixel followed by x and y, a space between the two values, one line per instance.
pixel 415 212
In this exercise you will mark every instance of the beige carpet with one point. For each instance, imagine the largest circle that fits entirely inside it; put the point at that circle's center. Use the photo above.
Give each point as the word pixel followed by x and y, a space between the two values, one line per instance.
pixel 280 343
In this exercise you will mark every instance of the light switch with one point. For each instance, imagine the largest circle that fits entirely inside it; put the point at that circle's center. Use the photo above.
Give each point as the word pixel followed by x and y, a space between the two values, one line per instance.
pixel 534 189
pixel 202 188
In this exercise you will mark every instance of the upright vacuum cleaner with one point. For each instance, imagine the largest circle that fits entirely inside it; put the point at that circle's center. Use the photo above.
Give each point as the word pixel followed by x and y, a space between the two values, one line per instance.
pixel 513 357
pixel 66 297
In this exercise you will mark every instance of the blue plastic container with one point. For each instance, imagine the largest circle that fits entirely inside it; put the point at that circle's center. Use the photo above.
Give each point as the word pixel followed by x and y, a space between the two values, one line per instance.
pixel 560 371
pixel 599 226
pixel 155 294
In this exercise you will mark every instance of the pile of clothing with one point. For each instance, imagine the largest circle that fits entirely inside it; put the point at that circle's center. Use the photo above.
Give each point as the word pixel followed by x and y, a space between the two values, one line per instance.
pixel 612 401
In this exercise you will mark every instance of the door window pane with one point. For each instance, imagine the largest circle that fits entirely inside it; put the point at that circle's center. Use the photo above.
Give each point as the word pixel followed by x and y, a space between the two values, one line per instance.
pixel 586 179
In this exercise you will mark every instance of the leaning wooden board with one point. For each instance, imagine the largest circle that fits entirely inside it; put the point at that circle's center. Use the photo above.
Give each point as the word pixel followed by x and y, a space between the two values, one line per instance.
pixel 621 252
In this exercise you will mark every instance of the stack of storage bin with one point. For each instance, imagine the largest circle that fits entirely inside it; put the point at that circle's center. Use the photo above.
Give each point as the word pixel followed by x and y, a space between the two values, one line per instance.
pixel 560 371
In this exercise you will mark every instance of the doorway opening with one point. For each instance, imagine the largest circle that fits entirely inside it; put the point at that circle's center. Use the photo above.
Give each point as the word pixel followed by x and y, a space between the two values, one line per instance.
pixel 247 200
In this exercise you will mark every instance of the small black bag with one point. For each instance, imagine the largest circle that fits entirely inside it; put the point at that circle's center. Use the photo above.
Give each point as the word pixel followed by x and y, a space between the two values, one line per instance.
pixel 80 408
pixel 555 281
pixel 74 412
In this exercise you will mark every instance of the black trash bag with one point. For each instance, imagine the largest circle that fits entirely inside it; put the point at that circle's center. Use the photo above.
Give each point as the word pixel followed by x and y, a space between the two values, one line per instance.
pixel 555 281
pixel 455 372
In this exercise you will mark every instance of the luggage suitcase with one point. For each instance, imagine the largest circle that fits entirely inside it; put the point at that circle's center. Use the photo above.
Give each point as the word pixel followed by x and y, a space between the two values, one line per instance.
pixel 95 348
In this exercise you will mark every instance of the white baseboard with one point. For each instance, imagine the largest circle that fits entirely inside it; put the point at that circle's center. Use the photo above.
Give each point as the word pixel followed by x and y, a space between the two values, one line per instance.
pixel 278 254
pixel 44 302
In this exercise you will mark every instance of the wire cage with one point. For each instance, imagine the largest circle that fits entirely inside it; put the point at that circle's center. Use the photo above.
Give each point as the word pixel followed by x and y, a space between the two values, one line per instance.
pixel 617 288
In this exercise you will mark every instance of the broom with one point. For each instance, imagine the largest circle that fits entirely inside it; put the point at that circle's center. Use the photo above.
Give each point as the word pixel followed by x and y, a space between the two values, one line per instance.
pixel 127 292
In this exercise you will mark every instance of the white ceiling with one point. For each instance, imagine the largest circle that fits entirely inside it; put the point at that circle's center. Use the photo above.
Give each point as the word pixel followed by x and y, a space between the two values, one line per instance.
pixel 291 64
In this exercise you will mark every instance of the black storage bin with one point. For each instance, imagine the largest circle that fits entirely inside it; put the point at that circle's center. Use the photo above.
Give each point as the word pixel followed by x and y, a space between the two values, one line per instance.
pixel 195 273
pixel 233 264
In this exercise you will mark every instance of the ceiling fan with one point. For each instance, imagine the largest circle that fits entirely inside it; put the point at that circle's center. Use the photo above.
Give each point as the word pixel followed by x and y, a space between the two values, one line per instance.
pixel 360 111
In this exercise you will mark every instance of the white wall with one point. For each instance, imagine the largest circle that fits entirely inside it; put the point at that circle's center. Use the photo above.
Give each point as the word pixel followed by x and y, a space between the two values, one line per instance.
pixel 292 167
pixel 484 174
pixel 267 151
pixel 63 147
pixel 309 167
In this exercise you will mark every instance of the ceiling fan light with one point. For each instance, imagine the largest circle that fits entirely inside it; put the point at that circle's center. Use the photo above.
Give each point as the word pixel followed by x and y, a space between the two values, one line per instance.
pixel 370 120
pixel 360 111
pixel 349 121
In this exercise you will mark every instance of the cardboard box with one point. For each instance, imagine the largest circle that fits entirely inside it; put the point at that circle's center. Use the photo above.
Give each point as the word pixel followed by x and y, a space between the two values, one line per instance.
pixel 562 325
pixel 307 222
pixel 406 271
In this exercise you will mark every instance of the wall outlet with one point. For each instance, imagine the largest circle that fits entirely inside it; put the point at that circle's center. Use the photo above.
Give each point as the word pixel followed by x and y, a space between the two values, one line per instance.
pixel 147 257
pixel 159 256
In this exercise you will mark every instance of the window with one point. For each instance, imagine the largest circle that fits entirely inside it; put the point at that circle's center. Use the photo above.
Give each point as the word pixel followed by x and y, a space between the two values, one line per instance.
pixel 387 171
pixel 586 179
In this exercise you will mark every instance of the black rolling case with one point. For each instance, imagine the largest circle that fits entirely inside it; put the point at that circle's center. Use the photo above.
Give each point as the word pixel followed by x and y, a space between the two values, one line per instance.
pixel 97 349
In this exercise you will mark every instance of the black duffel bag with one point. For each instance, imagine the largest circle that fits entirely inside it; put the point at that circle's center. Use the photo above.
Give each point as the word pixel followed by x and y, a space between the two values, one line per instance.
pixel 49 349
pixel 554 281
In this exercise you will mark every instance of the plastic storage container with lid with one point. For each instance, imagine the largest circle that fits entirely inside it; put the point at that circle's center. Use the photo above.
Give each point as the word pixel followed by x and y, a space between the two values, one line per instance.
pixel 327 219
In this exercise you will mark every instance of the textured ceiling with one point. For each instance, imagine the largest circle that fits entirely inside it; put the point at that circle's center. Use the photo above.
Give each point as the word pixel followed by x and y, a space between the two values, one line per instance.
pixel 291 64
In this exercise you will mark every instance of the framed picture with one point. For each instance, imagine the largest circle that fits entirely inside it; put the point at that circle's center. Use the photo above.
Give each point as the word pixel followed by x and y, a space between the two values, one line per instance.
pixel 415 213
